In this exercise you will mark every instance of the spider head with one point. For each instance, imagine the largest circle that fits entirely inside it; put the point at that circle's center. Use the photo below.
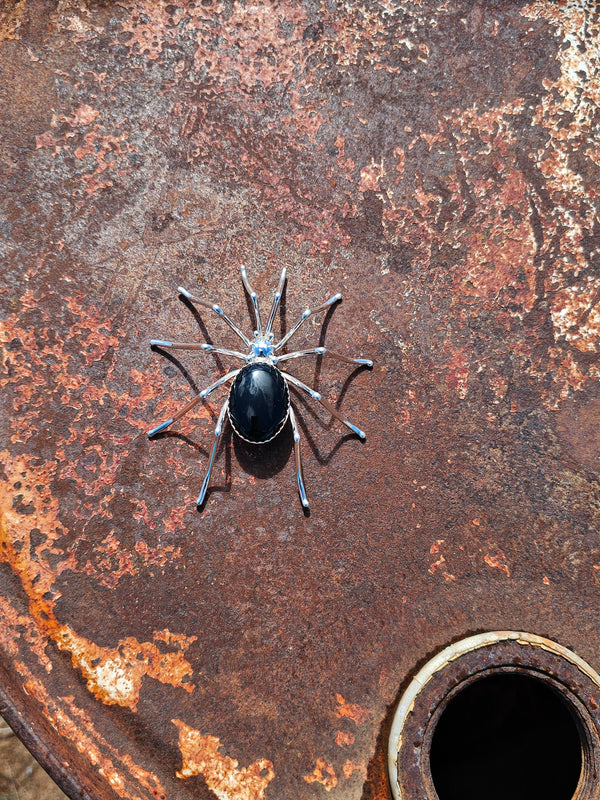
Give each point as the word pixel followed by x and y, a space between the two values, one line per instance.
pixel 262 346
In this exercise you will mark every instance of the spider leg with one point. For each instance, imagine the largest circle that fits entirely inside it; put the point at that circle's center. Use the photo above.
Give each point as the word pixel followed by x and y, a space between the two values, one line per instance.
pixel 217 309
pixel 298 456
pixel 218 432
pixel 205 392
pixel 253 297
pixel 181 413
pixel 207 348
pixel 305 315
pixel 276 300
pixel 322 351
pixel 316 396
pixel 192 403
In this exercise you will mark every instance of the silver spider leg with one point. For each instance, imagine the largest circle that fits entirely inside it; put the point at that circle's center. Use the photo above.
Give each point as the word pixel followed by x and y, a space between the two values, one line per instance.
pixel 217 309
pixel 305 315
pixel 205 392
pixel 192 403
pixel 325 351
pixel 181 413
pixel 316 396
pixel 298 455
pixel 218 432
pixel 207 348
pixel 253 297
pixel 276 300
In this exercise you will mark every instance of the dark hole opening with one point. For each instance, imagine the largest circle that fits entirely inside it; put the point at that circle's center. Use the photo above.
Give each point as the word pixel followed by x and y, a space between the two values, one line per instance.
pixel 506 736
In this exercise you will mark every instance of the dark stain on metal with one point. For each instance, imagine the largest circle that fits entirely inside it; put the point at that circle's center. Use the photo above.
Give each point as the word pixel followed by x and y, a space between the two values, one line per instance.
pixel 438 164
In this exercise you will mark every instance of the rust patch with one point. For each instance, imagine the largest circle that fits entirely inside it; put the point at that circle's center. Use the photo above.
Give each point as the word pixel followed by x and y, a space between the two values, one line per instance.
pixel 124 776
pixel 114 675
pixel 351 768
pixel 31 519
pixel 497 560
pixel 344 738
pixel 356 713
pixel 201 756
pixel 99 151
pixel 437 162
pixel 323 774
pixel 11 19
pixel 439 563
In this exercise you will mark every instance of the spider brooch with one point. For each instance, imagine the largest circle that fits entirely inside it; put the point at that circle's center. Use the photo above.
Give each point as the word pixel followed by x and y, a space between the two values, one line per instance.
pixel 258 404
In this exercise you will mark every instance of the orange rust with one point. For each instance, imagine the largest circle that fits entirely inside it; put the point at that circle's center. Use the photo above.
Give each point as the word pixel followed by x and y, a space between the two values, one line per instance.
pixel 151 25
pixel 91 331
pixel 435 549
pixel 84 115
pixel 351 768
pixel 465 217
pixel 436 565
pixel 356 713
pixel 96 145
pixel 73 724
pixel 370 175
pixel 11 19
pixel 497 561
pixel 576 317
pixel 344 738
pixel 502 251
pixel 114 675
pixel 324 774
pixel 201 756
pixel 458 369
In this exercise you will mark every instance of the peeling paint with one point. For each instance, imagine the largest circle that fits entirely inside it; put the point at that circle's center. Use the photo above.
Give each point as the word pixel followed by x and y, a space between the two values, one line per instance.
pixel 114 675
pixel 201 756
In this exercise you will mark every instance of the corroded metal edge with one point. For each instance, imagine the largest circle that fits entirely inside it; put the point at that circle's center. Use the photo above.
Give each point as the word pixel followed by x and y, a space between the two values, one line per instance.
pixel 44 749
pixel 453 653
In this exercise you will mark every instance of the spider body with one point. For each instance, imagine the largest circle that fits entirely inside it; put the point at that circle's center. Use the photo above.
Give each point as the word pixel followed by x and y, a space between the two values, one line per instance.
pixel 258 404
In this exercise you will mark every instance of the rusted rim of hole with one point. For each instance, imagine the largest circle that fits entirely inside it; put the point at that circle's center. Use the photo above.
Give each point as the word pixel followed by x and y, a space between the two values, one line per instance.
pixel 572 709
pixel 473 658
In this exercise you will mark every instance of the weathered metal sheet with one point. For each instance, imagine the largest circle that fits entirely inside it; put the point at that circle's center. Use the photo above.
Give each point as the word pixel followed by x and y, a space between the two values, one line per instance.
pixel 437 163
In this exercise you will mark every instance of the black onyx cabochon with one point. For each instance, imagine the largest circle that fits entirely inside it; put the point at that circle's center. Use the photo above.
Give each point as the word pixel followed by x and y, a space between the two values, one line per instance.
pixel 258 402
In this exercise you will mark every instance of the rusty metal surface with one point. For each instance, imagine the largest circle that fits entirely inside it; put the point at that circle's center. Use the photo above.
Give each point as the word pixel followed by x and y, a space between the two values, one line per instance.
pixel 435 162
pixel 570 679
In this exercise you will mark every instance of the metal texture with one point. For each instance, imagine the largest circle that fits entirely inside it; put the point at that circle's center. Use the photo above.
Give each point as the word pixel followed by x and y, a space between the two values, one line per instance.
pixel 438 164
pixel 467 661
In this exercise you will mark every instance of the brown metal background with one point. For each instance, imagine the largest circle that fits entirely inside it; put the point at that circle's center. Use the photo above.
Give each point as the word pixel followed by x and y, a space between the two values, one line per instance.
pixel 438 163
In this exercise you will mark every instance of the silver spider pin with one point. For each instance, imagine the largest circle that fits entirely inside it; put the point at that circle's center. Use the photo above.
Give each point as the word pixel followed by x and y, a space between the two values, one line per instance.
pixel 258 404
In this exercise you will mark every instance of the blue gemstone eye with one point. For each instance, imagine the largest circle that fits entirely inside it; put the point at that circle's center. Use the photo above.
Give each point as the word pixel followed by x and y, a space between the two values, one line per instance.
pixel 258 403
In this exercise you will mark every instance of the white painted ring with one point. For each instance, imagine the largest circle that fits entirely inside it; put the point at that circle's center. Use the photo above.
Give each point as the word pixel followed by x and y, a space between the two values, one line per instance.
pixel 449 654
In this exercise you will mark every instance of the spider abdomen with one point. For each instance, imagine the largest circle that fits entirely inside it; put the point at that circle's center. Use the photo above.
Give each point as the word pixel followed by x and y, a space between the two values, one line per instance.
pixel 259 402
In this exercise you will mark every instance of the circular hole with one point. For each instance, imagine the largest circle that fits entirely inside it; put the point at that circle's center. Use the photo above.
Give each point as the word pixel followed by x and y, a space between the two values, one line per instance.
pixel 506 735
